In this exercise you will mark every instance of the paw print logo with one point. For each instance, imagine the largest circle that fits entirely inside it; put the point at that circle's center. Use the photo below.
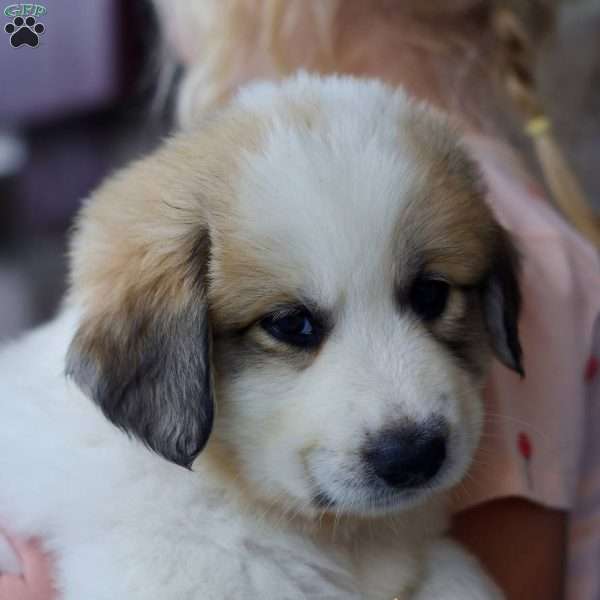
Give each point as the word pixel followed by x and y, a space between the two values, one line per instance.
pixel 24 31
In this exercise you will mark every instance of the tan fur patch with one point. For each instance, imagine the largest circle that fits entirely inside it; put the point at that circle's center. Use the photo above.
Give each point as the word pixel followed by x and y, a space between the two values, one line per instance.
pixel 447 222
pixel 139 236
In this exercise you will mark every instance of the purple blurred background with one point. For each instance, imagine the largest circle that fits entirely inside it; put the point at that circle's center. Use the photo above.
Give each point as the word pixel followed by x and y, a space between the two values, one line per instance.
pixel 72 109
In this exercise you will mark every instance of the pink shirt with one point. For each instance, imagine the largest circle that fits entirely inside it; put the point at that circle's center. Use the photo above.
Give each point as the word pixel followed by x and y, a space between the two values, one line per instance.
pixel 541 438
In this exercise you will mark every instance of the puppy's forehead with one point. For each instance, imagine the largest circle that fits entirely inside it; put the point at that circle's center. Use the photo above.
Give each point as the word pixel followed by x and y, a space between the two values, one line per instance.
pixel 318 201
pixel 356 184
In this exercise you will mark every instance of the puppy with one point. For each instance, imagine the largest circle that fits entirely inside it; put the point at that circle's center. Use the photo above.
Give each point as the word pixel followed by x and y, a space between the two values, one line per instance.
pixel 294 304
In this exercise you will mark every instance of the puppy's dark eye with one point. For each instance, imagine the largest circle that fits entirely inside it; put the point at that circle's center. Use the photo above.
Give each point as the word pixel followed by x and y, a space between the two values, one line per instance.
pixel 296 328
pixel 428 298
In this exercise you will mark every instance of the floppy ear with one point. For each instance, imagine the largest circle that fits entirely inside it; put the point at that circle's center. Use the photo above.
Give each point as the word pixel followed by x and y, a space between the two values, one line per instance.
pixel 143 345
pixel 150 375
pixel 502 304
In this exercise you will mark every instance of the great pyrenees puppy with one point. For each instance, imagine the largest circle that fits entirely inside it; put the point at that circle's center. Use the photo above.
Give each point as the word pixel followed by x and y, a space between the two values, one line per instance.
pixel 266 375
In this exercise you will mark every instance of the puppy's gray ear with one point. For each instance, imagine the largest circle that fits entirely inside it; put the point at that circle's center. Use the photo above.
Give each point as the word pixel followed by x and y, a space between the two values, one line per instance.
pixel 142 349
pixel 502 304
pixel 150 375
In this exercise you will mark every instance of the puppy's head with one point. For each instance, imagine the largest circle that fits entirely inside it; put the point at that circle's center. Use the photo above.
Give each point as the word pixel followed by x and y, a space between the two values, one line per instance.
pixel 313 279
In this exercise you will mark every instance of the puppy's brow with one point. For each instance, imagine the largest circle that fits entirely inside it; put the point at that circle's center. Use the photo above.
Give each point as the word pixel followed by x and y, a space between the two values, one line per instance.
pixel 453 242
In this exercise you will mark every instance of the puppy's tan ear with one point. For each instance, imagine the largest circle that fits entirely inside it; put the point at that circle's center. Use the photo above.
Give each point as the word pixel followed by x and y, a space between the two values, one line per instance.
pixel 502 303
pixel 142 349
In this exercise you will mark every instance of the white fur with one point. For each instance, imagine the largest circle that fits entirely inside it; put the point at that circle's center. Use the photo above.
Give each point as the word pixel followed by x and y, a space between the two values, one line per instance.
pixel 122 522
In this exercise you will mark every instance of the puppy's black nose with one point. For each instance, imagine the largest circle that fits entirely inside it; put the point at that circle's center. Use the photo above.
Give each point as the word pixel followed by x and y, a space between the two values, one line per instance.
pixel 408 457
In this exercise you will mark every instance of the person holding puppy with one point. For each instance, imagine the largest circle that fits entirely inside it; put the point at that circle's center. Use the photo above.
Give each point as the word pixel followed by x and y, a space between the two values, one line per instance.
pixel 512 511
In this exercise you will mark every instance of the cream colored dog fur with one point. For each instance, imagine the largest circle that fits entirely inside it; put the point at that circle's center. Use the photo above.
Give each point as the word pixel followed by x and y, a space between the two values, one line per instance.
pixel 298 300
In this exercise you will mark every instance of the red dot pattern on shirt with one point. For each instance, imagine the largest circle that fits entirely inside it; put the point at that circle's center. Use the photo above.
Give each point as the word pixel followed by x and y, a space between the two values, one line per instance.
pixel 591 369
pixel 525 448
pixel 524 444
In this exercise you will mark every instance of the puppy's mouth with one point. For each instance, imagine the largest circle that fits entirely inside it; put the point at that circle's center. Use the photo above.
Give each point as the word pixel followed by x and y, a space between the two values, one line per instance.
pixel 368 501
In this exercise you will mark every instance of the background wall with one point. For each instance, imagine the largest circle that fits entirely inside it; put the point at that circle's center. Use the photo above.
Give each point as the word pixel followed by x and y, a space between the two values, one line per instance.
pixel 73 109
